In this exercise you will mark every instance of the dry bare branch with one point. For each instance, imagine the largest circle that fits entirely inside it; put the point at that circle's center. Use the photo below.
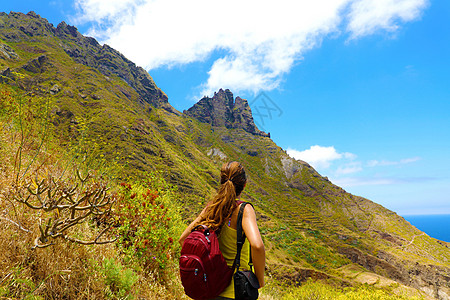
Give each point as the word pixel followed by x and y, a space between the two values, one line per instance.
pixel 17 224
pixel 65 206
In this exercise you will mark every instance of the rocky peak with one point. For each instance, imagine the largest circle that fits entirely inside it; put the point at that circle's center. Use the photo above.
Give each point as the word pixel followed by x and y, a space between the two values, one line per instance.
pixel 19 27
pixel 223 110
pixel 107 60
pixel 64 29
pixel 24 28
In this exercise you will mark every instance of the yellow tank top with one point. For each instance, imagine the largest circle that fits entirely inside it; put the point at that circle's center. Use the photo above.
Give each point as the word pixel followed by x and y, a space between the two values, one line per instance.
pixel 227 244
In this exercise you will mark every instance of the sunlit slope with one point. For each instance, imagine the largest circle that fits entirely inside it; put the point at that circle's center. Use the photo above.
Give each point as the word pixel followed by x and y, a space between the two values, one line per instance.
pixel 104 105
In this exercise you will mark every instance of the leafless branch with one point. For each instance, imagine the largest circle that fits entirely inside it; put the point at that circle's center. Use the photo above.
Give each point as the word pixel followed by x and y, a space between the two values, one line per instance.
pixel 18 225
pixel 65 206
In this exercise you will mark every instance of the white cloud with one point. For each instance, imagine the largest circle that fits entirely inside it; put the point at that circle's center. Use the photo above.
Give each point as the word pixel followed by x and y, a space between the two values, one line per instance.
pixel 346 171
pixel 242 73
pixel 102 10
pixel 368 16
pixel 368 178
pixel 382 163
pixel 318 156
pixel 260 39
pixel 350 168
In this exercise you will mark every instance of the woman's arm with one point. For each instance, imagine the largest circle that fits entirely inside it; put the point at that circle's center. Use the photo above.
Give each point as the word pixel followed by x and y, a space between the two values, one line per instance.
pixel 254 237
pixel 190 227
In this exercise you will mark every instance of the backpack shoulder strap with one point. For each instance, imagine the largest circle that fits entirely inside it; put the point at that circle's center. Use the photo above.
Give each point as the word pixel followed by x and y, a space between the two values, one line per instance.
pixel 240 237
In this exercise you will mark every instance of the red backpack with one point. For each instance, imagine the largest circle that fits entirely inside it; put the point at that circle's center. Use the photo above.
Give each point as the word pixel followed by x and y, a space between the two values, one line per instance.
pixel 203 269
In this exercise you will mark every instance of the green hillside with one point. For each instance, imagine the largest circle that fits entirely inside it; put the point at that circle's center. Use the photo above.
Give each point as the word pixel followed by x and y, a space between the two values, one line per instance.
pixel 68 102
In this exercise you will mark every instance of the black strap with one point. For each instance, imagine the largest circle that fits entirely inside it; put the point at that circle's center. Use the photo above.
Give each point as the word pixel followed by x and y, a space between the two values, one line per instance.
pixel 241 239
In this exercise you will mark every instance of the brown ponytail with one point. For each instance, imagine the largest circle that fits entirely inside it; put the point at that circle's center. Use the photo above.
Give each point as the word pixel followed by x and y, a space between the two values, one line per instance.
pixel 220 208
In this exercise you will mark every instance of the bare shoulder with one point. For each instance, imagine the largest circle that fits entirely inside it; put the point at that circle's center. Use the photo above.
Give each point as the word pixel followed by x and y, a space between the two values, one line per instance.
pixel 249 210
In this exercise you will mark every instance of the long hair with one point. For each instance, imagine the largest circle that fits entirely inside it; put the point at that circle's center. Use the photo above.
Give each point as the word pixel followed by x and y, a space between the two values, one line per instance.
pixel 220 208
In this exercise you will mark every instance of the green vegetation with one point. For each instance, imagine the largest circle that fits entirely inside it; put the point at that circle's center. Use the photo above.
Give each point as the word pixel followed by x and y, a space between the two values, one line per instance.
pixel 118 279
pixel 321 291
pixel 149 222
pixel 305 248
pixel 60 116
pixel 66 268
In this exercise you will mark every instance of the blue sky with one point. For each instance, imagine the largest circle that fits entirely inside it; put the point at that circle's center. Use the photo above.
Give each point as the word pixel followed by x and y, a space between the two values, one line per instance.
pixel 361 87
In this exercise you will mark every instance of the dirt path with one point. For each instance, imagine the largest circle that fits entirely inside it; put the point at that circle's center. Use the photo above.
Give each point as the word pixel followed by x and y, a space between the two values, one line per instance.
pixel 412 241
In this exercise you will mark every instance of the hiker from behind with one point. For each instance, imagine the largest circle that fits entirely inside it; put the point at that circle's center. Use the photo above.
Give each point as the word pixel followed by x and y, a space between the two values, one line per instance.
pixel 221 214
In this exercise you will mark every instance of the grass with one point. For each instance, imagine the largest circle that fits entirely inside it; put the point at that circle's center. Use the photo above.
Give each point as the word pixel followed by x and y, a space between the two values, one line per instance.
pixel 98 123
pixel 125 269
pixel 321 291
pixel 66 269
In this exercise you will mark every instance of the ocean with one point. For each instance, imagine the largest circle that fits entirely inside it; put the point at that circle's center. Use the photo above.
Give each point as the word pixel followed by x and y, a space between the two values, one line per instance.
pixel 436 226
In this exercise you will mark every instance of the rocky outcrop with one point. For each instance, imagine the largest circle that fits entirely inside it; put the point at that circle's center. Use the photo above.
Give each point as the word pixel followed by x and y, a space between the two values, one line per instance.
pixel 222 110
pixel 6 75
pixel 19 27
pixel 215 152
pixel 36 65
pixel 242 116
pixel 433 280
pixel 290 166
pixel 7 52
pixel 108 61
pixel 288 190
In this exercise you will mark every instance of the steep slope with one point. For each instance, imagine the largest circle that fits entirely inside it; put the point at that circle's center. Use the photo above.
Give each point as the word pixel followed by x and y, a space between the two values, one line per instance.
pixel 320 226
pixel 104 106
pixel 84 50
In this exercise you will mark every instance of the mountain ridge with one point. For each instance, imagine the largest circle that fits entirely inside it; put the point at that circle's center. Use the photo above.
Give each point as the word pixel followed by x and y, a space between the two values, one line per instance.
pixel 307 222
pixel 87 51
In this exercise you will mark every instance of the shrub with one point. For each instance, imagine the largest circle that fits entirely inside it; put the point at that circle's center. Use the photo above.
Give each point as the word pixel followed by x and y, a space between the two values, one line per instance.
pixel 148 222
pixel 118 279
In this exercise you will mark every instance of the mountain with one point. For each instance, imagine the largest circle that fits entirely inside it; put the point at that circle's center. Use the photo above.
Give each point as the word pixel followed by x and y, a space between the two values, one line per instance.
pixel 105 106
pixel 223 110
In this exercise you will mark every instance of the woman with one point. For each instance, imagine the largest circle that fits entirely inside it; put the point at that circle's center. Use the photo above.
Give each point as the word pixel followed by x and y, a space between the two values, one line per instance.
pixel 221 213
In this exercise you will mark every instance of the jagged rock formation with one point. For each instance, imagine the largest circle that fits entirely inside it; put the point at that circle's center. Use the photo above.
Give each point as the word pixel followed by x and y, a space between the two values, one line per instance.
pixel 84 50
pixel 316 227
pixel 89 52
pixel 223 110
pixel 36 65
